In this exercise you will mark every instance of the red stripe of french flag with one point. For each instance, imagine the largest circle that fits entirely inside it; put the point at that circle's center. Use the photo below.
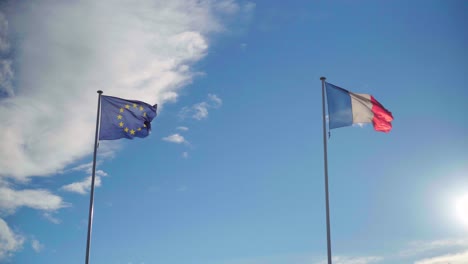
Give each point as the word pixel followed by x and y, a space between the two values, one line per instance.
pixel 382 117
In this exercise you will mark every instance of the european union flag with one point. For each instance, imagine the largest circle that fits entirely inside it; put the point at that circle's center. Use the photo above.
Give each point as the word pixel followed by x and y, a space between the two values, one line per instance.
pixel 122 118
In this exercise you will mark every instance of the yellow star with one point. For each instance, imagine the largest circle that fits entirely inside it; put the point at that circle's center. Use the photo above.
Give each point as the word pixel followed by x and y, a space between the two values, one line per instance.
pixel 139 129
pixel 144 114
pixel 119 117
pixel 144 125
pixel 134 105
pixel 126 129
pixel 121 110
pixel 132 132
pixel 127 106
pixel 141 108
pixel 121 124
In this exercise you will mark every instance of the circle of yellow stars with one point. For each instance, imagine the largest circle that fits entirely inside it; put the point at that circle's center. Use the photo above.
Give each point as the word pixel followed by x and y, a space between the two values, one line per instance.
pixel 125 128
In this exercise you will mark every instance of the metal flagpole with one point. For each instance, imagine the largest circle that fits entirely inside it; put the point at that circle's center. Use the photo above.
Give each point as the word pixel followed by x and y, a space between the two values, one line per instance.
pixel 91 199
pixel 325 159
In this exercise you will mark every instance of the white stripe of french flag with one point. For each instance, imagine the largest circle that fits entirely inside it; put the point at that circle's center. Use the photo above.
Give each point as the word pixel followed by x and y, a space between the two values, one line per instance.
pixel 366 109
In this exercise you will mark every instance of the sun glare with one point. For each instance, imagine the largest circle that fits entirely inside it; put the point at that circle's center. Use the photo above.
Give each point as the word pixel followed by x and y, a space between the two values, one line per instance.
pixel 461 207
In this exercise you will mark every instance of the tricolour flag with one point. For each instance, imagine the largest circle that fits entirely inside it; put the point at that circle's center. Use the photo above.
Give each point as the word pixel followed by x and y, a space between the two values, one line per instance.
pixel 346 108
pixel 121 118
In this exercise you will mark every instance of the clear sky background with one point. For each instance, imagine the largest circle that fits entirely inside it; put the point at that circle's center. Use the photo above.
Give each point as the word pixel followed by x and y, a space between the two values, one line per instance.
pixel 233 170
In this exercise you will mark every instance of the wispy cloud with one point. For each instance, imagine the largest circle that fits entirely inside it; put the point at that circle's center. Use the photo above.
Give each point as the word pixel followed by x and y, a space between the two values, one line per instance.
pixel 185 154
pixel 36 245
pixel 4 42
pixel 227 6
pixel 274 259
pixel 39 199
pixel 83 187
pixel 305 259
pixel 10 201
pixel 456 258
pixel 6 71
pixel 9 241
pixel 86 167
pixel 243 46
pixel 215 100
pixel 182 128
pixel 51 218
pixel 420 247
pixel 175 138
pixel 200 110
pixel 354 260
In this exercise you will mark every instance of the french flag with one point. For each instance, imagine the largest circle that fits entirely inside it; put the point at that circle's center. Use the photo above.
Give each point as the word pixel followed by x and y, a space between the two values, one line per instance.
pixel 346 108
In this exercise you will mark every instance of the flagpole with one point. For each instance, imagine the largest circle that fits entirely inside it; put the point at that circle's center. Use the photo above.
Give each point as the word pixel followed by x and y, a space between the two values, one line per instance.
pixel 325 159
pixel 91 199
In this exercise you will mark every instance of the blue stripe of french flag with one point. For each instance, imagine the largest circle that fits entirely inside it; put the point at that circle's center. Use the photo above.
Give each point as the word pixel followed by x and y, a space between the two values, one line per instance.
pixel 346 108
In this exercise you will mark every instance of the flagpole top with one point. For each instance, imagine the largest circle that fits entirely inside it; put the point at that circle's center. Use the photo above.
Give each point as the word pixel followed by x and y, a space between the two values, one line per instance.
pixel 323 78
pixel 99 92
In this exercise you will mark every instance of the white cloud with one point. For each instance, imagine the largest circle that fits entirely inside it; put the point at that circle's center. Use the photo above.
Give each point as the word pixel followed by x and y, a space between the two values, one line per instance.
pixel 6 72
pixel 101 173
pixel 4 42
pixel 274 259
pixel 354 260
pixel 51 218
pixel 199 111
pixel 227 6
pixel 215 100
pixel 304 259
pixel 248 8
pixel 11 199
pixel 419 247
pixel 86 167
pixel 139 50
pixel 36 245
pixel 9 241
pixel 182 128
pixel 457 258
pixel 175 138
pixel 357 260
pixel 6 77
pixel 82 187
pixel 185 154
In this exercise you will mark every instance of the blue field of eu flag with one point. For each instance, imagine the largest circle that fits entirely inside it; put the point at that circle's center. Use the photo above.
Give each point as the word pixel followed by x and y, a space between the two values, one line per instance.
pixel 121 118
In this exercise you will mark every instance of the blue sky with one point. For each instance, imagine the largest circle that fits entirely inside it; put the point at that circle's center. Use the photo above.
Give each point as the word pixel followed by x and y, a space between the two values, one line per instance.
pixel 233 170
